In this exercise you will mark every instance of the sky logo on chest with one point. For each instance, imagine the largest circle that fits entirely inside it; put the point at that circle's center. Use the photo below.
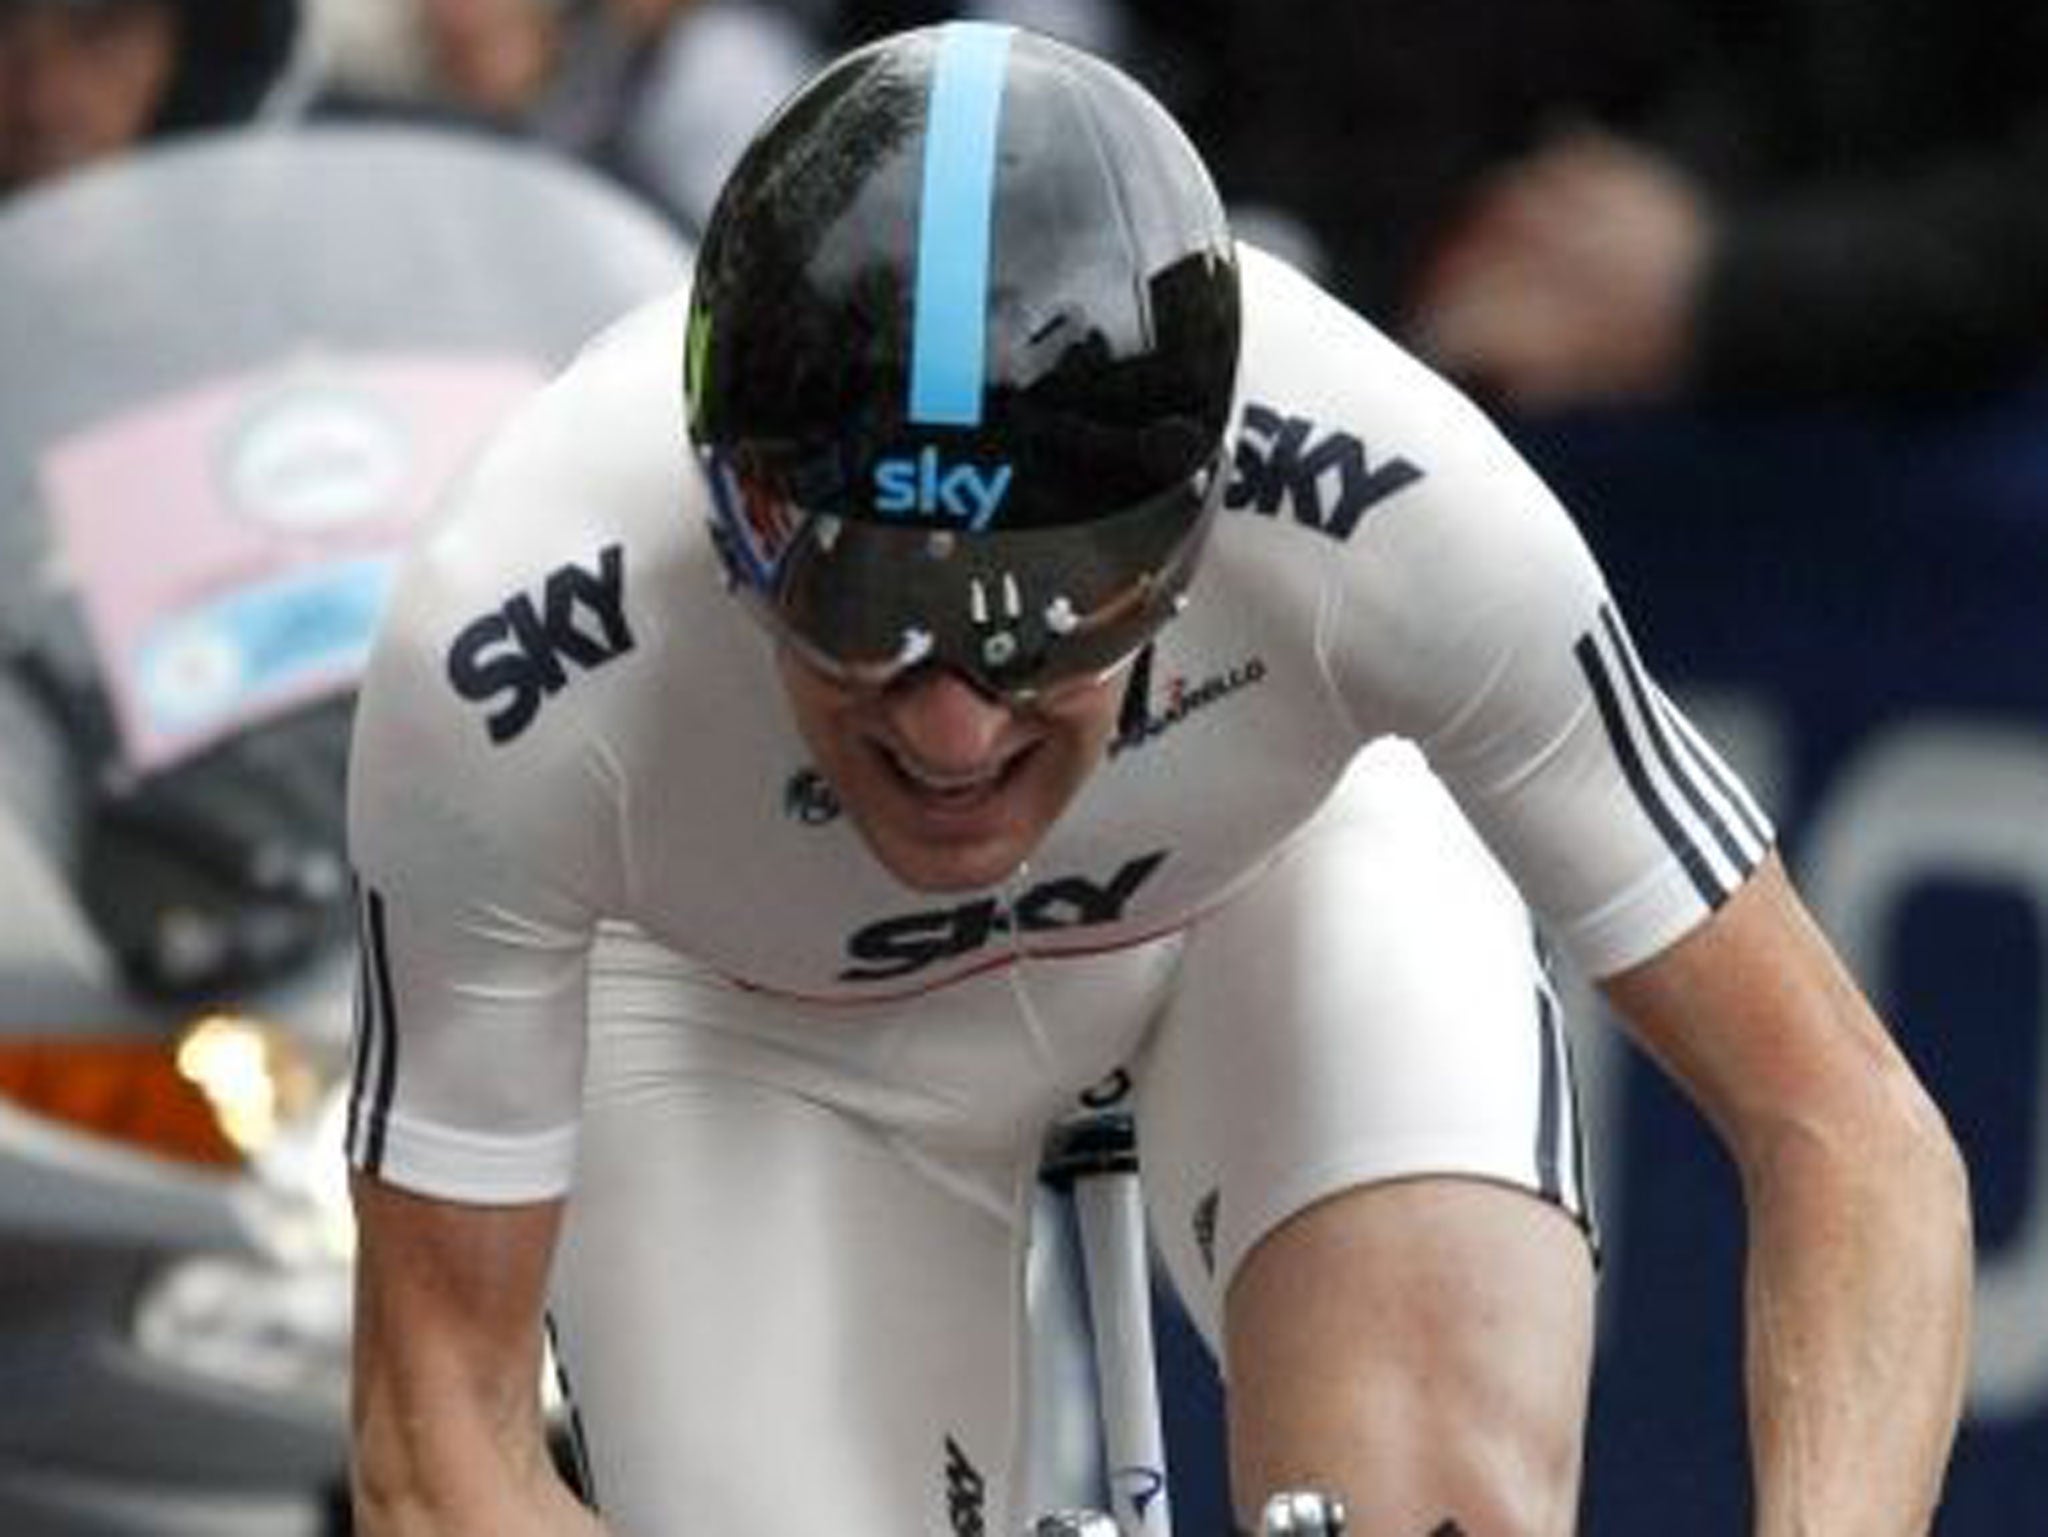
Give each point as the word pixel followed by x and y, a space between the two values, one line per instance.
pixel 928 485
pixel 907 943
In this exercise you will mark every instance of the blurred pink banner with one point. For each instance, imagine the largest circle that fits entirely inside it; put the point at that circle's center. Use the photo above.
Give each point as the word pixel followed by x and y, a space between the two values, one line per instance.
pixel 232 546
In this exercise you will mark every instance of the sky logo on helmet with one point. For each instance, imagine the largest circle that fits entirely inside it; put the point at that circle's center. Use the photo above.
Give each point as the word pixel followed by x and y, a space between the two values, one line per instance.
pixel 925 485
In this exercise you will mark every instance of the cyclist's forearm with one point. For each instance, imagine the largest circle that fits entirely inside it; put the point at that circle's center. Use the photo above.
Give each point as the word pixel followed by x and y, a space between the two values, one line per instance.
pixel 449 1438
pixel 1858 1307
pixel 1859 1276
pixel 417 1475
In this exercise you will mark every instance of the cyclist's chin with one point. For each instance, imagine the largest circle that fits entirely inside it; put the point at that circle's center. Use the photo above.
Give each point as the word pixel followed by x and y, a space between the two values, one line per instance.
pixel 950 854
pixel 963 840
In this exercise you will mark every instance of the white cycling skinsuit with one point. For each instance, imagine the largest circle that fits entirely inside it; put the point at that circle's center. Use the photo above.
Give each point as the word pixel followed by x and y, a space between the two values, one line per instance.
pixel 618 938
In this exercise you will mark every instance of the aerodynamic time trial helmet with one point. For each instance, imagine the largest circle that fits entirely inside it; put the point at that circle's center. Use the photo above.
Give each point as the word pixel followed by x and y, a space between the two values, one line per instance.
pixel 962 342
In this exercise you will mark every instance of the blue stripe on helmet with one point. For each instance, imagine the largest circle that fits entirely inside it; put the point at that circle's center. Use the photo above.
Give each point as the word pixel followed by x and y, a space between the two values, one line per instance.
pixel 949 321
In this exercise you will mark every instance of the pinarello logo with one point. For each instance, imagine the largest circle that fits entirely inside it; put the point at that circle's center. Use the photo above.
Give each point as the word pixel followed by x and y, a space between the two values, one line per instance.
pixel 1179 699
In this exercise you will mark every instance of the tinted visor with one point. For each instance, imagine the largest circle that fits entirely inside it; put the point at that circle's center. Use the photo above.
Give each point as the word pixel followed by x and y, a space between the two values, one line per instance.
pixel 1018 611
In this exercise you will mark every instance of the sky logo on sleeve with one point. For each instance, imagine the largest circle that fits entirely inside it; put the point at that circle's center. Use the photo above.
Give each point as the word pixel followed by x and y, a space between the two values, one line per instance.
pixel 1324 477
pixel 527 650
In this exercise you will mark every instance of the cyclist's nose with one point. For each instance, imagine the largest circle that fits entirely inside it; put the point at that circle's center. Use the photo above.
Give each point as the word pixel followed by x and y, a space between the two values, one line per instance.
pixel 945 722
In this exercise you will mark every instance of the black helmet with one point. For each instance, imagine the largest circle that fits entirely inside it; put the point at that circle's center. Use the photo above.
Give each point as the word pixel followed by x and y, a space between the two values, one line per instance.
pixel 963 338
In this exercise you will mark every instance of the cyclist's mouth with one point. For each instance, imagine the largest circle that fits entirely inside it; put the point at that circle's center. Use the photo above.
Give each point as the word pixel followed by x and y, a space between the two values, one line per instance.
pixel 955 792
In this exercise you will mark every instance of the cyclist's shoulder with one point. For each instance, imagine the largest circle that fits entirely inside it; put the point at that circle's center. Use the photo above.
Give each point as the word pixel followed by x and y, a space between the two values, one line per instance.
pixel 600 442
pixel 1311 355
pixel 1341 430
pixel 584 481
pixel 568 573
pixel 1334 426
pixel 1296 328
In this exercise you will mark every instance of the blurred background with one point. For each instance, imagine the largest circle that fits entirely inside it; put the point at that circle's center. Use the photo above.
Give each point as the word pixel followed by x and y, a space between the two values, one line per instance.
pixel 1760 285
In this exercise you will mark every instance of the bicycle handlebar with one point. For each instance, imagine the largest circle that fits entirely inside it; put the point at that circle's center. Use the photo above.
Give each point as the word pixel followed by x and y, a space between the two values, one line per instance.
pixel 1302 1513
pixel 1074 1523
pixel 1291 1513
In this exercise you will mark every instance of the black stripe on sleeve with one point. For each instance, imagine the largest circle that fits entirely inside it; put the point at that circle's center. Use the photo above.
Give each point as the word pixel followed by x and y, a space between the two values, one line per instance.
pixel 1651 711
pixel 384 1088
pixel 1626 751
pixel 1733 793
pixel 360 1051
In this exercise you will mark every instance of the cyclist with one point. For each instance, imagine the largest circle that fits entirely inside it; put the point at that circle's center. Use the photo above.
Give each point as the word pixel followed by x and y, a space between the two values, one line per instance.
pixel 1079 657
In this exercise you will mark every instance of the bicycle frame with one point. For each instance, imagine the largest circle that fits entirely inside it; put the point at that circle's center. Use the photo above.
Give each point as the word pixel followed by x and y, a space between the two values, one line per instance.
pixel 1093 1158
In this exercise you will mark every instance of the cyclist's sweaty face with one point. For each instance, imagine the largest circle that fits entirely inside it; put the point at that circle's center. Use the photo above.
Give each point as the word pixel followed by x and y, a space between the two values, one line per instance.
pixel 952 789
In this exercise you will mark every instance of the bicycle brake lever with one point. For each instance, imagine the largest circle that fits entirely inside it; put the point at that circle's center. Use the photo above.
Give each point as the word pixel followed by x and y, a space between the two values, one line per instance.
pixel 1074 1523
pixel 1302 1513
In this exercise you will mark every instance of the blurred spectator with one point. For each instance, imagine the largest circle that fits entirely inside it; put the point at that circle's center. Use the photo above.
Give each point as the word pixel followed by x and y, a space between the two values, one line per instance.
pixel 1840 201
pixel 661 94
pixel 1346 132
pixel 1102 26
pixel 83 79
pixel 1786 335
pixel 1247 108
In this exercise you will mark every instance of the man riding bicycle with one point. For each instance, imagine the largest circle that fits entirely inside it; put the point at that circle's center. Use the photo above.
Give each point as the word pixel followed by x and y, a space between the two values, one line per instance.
pixel 1078 651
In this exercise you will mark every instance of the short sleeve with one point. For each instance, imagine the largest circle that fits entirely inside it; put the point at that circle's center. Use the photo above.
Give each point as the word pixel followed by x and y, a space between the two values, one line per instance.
pixel 484 838
pixel 1469 615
